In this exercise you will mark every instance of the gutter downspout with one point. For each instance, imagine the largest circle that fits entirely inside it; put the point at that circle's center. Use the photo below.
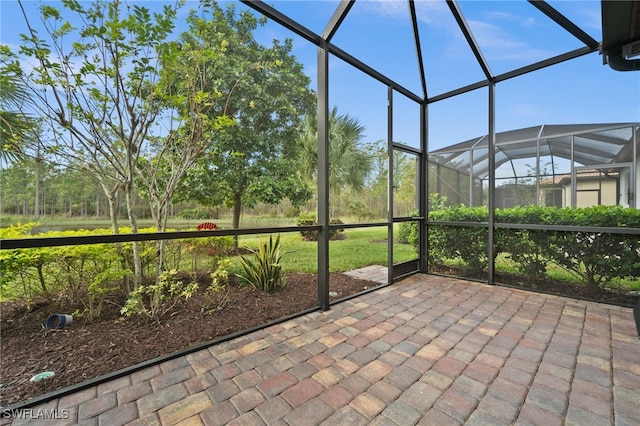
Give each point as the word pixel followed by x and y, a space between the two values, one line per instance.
pixel 617 61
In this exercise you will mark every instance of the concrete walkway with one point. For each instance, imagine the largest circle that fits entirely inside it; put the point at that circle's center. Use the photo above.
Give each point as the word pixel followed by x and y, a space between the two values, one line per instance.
pixel 427 350
pixel 376 273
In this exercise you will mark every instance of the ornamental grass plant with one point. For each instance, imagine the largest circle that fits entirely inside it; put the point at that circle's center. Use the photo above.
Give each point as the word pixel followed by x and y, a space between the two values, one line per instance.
pixel 264 271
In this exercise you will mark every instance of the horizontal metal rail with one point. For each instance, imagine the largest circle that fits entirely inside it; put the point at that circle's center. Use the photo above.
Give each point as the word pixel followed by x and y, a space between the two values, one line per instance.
pixel 357 225
pixel 407 219
pixel 16 243
pixel 535 227
pixel 39 242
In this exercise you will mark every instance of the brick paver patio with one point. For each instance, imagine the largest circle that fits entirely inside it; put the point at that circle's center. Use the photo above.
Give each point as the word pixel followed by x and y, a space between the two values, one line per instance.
pixel 427 350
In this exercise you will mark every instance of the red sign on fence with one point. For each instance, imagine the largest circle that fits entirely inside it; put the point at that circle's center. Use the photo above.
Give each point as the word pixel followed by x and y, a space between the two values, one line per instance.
pixel 207 226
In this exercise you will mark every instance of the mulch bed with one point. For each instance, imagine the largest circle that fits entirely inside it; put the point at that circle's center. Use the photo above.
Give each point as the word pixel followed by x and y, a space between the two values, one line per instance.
pixel 84 350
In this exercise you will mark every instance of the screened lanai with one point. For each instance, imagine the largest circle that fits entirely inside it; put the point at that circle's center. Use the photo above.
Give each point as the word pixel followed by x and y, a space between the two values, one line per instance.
pixel 508 79
pixel 540 159
pixel 426 93
pixel 421 76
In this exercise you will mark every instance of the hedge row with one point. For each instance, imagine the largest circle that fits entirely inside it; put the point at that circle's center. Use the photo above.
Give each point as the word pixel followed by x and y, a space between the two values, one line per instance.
pixel 88 274
pixel 596 257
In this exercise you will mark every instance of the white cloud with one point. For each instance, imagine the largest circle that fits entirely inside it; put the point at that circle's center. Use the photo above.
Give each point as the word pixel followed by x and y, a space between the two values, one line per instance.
pixel 503 16
pixel 427 11
pixel 523 21
pixel 497 44
pixel 387 8
pixel 431 12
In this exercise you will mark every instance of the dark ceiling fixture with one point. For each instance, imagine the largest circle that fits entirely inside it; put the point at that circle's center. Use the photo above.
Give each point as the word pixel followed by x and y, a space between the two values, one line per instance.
pixel 621 34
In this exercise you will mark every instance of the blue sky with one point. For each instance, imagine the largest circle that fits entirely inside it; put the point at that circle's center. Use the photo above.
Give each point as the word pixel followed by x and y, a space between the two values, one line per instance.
pixel 511 34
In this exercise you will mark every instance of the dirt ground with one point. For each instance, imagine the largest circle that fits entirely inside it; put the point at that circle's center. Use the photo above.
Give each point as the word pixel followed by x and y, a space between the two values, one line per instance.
pixel 84 350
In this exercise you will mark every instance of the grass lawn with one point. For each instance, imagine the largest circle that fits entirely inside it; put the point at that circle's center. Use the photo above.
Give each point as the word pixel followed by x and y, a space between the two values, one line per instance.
pixel 359 248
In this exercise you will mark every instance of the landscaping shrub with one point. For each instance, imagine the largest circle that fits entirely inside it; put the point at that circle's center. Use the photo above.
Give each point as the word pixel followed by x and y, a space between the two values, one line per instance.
pixel 217 294
pixel 88 274
pixel 155 300
pixel 148 251
pixel 527 248
pixel 212 249
pixel 85 274
pixel 598 258
pixel 173 251
pixel 467 243
pixel 22 270
pixel 195 213
pixel 309 219
pixel 408 232
pixel 264 271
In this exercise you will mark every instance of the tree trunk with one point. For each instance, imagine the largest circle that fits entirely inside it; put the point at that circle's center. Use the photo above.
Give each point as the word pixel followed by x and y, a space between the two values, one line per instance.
pixel 44 203
pixel 112 203
pixel 43 283
pixel 235 221
pixel 36 209
pixel 137 260
pixel 159 213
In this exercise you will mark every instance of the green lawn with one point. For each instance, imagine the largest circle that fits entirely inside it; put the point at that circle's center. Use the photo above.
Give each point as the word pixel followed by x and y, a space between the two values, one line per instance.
pixel 360 247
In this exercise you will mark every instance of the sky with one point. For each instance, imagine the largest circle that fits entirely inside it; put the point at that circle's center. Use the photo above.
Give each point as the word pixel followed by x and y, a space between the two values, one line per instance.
pixel 511 34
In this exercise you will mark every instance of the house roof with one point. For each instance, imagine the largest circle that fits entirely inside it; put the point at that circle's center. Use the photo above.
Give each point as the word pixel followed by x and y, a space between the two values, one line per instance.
pixel 593 145
pixel 565 179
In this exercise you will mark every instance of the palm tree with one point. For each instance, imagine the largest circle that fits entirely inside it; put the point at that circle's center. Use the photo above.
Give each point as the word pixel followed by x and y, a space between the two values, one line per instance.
pixel 15 126
pixel 349 164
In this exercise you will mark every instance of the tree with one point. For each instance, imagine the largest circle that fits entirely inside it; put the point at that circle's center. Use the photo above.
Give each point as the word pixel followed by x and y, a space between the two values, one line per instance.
pixel 188 94
pixel 267 93
pixel 15 125
pixel 350 161
pixel 98 94
pixel 16 182
pixel 19 130
pixel 378 181
pixel 405 169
